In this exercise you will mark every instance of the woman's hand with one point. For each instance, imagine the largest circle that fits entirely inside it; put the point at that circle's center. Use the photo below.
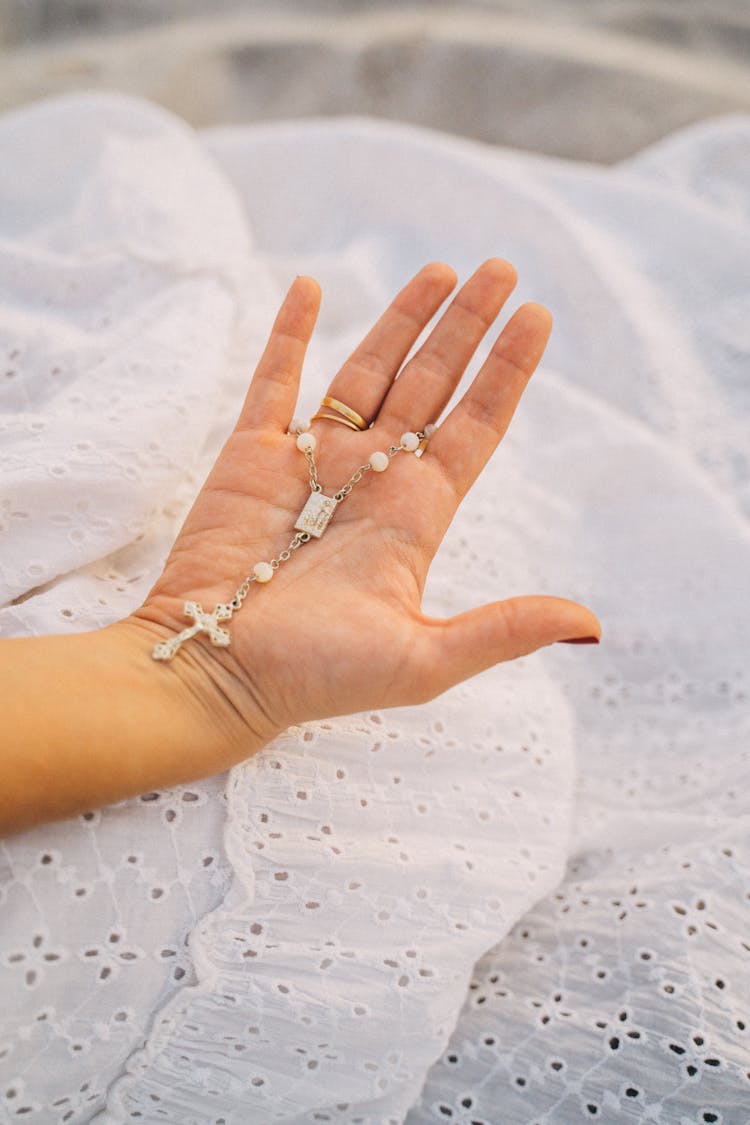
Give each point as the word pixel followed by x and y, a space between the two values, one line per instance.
pixel 339 629
pixel 91 718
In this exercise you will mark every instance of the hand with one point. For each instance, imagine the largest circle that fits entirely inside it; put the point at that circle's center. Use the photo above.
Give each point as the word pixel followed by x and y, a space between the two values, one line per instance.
pixel 339 629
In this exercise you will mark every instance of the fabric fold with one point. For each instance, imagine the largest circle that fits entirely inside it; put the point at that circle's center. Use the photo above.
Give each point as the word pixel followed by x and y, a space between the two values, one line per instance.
pixel 513 901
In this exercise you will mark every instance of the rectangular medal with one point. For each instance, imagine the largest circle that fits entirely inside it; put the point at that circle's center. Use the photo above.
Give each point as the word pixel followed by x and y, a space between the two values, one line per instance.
pixel 316 514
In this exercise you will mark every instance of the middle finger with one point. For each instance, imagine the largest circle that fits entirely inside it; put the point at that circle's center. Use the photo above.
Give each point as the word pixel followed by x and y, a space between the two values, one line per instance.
pixel 426 384
pixel 363 381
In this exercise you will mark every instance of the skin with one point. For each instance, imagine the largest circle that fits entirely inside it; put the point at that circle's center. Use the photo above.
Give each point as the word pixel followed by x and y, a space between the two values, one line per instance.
pixel 92 718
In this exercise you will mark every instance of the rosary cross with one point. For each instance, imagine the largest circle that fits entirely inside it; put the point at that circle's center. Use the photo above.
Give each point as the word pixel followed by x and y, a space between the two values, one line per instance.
pixel 204 623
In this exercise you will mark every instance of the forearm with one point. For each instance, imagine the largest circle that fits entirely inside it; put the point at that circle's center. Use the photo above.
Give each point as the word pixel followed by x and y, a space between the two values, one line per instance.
pixel 90 719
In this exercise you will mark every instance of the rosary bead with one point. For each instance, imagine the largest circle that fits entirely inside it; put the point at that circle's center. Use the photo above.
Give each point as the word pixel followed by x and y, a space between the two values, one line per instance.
pixel 379 461
pixel 410 441
pixel 306 441
pixel 263 571
pixel 298 426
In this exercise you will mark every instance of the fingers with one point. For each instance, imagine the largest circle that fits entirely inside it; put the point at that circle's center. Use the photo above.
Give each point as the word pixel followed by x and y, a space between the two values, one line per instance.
pixel 426 384
pixel 453 649
pixel 272 394
pixel 465 441
pixel 366 376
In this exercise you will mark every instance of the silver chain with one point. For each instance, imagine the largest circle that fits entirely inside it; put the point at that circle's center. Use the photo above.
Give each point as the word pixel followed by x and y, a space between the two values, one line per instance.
pixel 209 622
pixel 303 536
pixel 315 485
pixel 283 556
pixel 356 477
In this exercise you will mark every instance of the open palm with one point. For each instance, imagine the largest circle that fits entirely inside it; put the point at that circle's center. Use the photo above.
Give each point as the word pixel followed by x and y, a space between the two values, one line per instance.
pixel 339 628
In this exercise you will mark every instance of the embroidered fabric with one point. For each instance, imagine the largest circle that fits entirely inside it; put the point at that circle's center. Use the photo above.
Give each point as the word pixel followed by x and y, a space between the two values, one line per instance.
pixel 525 901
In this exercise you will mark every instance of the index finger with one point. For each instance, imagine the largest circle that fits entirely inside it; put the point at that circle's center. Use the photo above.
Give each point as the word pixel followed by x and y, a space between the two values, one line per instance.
pixel 272 394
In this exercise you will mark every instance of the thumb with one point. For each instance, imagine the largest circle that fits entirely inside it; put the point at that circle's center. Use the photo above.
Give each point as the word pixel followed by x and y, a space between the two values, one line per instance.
pixel 458 647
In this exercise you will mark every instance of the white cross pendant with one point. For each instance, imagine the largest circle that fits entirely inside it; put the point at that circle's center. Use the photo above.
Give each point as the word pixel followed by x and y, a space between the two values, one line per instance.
pixel 204 623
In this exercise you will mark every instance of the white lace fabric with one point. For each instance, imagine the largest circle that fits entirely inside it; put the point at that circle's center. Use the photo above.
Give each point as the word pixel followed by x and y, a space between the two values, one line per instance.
pixel 524 902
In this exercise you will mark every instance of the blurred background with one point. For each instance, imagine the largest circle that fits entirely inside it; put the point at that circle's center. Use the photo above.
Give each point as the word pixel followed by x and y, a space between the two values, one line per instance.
pixel 587 79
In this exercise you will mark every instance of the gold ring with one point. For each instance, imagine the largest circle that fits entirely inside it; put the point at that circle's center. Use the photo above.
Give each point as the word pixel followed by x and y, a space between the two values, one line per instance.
pixel 347 411
pixel 335 418
pixel 428 432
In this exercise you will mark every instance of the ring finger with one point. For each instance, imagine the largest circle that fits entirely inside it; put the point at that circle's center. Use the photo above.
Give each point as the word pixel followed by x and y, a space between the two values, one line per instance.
pixel 365 378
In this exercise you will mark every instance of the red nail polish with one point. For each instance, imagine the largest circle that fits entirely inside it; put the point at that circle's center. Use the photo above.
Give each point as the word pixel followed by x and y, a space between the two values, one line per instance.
pixel 580 641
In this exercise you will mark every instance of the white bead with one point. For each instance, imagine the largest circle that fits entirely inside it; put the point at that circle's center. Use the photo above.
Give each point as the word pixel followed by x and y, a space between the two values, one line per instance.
pixel 429 429
pixel 306 441
pixel 379 461
pixel 263 571
pixel 410 441
pixel 298 426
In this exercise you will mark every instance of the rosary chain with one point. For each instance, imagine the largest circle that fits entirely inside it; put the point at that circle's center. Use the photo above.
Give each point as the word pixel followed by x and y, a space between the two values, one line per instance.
pixel 303 536
pixel 283 556
pixel 263 571
pixel 356 477
pixel 315 485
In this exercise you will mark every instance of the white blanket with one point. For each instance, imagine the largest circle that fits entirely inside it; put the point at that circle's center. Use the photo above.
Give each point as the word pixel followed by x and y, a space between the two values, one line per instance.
pixel 525 901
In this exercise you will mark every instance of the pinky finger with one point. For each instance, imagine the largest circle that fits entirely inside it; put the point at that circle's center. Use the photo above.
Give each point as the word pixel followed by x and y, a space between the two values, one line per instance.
pixel 272 394
pixel 465 441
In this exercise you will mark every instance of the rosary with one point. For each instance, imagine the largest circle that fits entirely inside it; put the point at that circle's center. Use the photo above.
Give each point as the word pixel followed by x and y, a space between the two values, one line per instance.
pixel 311 523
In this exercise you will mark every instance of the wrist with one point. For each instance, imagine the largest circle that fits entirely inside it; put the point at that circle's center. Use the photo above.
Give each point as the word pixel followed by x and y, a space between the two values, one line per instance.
pixel 204 682
pixel 89 720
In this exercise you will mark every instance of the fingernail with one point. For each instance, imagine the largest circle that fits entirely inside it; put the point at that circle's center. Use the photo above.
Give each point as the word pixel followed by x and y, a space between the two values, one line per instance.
pixel 580 641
